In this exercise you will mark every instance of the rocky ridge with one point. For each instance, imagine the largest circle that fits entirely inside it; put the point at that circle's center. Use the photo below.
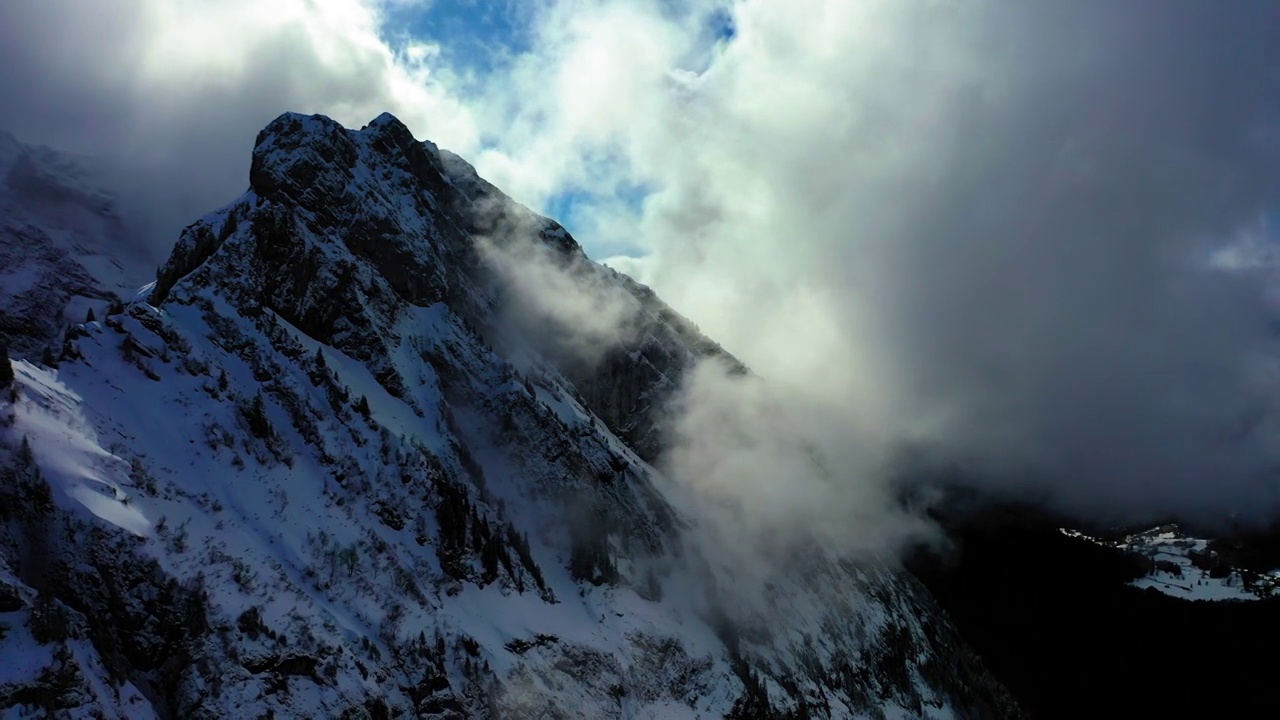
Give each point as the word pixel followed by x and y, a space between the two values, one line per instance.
pixel 318 470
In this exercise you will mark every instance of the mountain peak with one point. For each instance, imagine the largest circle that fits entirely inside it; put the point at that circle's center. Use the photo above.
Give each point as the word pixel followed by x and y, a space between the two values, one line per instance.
pixel 382 490
pixel 387 121
pixel 293 151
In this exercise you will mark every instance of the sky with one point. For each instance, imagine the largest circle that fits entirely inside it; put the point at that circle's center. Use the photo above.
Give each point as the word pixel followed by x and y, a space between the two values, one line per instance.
pixel 1024 236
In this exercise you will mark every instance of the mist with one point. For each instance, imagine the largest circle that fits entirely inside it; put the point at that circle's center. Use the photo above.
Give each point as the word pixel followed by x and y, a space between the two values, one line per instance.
pixel 985 231
pixel 1026 239
pixel 560 302
pixel 170 96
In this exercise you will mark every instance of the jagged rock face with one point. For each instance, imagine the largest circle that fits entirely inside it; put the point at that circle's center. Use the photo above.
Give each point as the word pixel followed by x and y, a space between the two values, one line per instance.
pixel 352 488
pixel 412 212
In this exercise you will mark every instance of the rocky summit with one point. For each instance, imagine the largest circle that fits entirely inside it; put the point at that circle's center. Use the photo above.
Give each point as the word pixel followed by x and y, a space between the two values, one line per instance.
pixel 338 461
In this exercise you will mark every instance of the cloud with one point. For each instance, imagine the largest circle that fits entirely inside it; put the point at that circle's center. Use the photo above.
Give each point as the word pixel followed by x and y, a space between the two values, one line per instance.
pixel 978 227
pixel 768 477
pixel 971 227
pixel 174 93
pixel 557 300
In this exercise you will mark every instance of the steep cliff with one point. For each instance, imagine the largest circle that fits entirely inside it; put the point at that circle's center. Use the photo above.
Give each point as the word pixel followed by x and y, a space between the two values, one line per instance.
pixel 340 461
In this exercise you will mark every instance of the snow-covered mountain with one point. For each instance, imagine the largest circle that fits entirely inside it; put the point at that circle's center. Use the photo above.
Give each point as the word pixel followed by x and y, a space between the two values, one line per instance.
pixel 64 246
pixel 340 461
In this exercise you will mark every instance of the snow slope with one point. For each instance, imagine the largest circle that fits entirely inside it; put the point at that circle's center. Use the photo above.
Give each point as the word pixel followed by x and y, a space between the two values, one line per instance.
pixel 316 471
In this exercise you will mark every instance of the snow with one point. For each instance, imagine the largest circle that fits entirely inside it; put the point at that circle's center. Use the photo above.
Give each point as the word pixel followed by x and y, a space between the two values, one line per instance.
pixel 63 197
pixel 18 278
pixel 1176 574
pixel 66 448
pixel 1186 581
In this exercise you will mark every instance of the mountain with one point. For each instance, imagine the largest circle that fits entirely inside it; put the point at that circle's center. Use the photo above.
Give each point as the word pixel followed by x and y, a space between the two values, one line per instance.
pixel 358 453
pixel 1116 622
pixel 64 246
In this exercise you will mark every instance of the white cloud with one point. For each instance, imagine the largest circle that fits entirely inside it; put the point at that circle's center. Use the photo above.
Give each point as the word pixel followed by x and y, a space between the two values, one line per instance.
pixel 966 223
pixel 562 303
pixel 960 223
pixel 177 91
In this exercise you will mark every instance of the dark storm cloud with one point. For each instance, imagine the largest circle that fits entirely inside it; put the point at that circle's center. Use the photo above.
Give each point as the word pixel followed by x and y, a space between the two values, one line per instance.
pixel 70 79
pixel 997 215
pixel 1041 282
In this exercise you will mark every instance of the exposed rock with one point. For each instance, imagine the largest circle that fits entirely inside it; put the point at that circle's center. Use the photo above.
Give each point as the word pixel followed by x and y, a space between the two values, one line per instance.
pixel 358 491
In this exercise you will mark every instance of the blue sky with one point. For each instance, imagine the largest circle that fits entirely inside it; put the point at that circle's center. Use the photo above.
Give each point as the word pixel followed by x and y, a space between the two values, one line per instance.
pixel 473 33
pixel 481 37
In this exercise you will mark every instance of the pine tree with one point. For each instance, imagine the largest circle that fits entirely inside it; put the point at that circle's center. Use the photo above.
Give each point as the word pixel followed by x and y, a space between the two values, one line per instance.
pixel 489 557
pixel 259 424
pixel 6 366
pixel 228 227
pixel 477 533
pixel 48 359
pixel 48 621
pixel 89 316
pixel 590 557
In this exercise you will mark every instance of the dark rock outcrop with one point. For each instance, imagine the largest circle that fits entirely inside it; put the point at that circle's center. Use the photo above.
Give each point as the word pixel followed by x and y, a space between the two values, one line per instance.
pixel 416 235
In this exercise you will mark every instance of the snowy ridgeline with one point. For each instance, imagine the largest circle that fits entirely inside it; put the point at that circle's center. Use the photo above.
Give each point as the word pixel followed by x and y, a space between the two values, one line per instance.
pixel 302 477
